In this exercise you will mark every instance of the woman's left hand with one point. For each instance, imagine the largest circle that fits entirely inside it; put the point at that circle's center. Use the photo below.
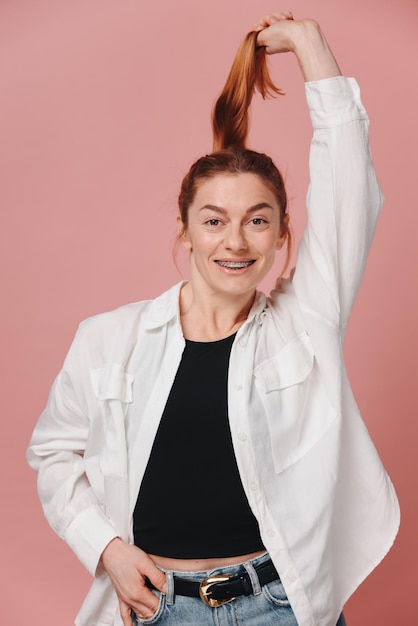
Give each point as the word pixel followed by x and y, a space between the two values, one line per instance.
pixel 280 32
pixel 275 38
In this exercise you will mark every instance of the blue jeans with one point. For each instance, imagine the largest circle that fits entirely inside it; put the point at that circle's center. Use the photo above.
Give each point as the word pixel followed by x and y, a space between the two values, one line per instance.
pixel 268 606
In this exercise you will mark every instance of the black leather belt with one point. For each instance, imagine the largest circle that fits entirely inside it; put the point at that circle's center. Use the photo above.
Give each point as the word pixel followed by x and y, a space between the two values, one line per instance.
pixel 221 588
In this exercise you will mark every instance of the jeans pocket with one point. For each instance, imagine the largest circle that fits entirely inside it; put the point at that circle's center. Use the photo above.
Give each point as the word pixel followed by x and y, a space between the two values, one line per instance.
pixel 154 619
pixel 275 593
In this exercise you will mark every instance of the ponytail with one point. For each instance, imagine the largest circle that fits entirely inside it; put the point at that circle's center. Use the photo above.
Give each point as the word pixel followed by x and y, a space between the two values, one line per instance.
pixel 230 114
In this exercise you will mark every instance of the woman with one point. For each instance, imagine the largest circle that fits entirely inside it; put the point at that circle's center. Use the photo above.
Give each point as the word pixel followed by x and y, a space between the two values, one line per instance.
pixel 202 453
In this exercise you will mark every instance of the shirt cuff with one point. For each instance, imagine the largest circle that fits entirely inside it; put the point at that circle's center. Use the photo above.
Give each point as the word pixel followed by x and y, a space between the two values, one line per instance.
pixel 88 535
pixel 334 101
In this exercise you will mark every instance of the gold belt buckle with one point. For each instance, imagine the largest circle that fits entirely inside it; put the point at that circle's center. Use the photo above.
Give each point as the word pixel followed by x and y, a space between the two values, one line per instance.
pixel 205 592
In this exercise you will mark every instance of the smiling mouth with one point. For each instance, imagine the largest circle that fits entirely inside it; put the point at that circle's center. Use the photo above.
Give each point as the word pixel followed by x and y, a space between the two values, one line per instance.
pixel 235 265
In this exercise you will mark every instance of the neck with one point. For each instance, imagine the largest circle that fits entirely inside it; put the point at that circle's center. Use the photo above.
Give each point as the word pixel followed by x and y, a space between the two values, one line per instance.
pixel 209 317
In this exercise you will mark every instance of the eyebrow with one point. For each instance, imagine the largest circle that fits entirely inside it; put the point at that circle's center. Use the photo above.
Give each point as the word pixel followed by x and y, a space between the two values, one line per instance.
pixel 252 209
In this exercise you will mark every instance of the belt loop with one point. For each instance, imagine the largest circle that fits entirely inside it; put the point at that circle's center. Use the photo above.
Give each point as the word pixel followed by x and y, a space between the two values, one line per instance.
pixel 169 598
pixel 253 577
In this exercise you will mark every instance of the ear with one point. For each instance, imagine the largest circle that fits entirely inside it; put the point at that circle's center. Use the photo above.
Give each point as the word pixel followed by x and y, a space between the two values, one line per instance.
pixel 182 234
pixel 284 232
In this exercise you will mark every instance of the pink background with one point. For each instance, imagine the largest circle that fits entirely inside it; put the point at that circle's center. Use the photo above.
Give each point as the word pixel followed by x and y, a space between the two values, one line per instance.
pixel 104 105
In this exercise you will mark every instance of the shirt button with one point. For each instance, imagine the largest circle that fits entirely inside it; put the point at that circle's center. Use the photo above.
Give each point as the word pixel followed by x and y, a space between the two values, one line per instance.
pixel 238 387
pixel 270 532
pixel 253 486
pixel 242 436
pixel 242 342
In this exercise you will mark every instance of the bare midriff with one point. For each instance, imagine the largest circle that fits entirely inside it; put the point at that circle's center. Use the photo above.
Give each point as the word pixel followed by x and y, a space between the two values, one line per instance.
pixel 198 565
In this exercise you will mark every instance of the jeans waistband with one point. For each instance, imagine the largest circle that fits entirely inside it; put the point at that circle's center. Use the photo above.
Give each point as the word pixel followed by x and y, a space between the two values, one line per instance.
pixel 239 569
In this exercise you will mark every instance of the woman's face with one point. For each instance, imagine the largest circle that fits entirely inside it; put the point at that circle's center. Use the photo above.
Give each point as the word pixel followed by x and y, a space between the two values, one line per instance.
pixel 233 233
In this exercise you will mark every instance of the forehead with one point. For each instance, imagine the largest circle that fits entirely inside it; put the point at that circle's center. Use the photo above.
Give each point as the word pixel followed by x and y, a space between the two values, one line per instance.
pixel 233 189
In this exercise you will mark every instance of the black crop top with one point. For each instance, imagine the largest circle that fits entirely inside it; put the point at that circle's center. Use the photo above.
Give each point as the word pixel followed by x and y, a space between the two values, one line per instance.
pixel 191 503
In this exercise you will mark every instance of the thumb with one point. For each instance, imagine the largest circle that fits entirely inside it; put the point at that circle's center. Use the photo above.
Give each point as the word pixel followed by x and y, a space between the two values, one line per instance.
pixel 158 579
pixel 154 575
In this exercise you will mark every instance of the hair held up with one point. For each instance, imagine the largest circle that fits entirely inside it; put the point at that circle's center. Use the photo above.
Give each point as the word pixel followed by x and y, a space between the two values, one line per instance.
pixel 230 125
pixel 249 72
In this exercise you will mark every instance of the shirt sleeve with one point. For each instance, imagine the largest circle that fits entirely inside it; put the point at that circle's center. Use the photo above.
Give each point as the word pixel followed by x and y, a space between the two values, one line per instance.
pixel 56 452
pixel 343 202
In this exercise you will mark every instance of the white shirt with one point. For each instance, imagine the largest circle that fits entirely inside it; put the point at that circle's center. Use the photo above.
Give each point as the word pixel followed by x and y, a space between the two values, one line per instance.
pixel 326 508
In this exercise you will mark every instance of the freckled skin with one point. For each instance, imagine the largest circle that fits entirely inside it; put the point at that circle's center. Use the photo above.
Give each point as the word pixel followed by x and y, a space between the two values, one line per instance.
pixel 234 218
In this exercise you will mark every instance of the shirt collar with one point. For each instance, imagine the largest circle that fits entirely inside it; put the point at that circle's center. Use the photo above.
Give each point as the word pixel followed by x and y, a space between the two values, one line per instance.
pixel 257 311
pixel 164 308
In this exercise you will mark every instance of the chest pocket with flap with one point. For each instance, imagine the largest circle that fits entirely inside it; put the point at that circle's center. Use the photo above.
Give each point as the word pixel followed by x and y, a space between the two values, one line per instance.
pixel 113 388
pixel 297 409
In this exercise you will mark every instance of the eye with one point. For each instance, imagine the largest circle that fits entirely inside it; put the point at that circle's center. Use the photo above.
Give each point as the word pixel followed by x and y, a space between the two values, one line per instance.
pixel 213 222
pixel 258 221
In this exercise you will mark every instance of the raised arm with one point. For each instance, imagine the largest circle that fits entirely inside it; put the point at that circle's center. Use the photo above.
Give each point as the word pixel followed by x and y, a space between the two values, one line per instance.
pixel 344 197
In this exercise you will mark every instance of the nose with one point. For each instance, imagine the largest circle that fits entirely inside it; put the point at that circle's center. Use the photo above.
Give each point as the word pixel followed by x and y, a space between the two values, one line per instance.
pixel 235 240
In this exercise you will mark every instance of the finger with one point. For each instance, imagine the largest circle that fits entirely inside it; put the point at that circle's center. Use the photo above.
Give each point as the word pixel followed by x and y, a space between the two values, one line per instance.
pixel 155 576
pixel 141 600
pixel 272 18
pixel 145 600
pixel 147 606
pixel 266 21
pixel 284 15
pixel 143 613
pixel 125 613
pixel 144 608
pixel 158 579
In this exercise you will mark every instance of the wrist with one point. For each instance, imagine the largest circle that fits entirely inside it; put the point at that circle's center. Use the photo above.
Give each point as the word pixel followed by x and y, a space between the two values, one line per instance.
pixel 111 548
pixel 313 52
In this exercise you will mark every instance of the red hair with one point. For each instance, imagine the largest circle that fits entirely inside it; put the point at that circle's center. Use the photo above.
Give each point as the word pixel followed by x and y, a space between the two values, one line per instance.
pixel 248 72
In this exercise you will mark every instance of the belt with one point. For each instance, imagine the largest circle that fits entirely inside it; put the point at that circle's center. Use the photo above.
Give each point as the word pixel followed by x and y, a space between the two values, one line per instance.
pixel 222 588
